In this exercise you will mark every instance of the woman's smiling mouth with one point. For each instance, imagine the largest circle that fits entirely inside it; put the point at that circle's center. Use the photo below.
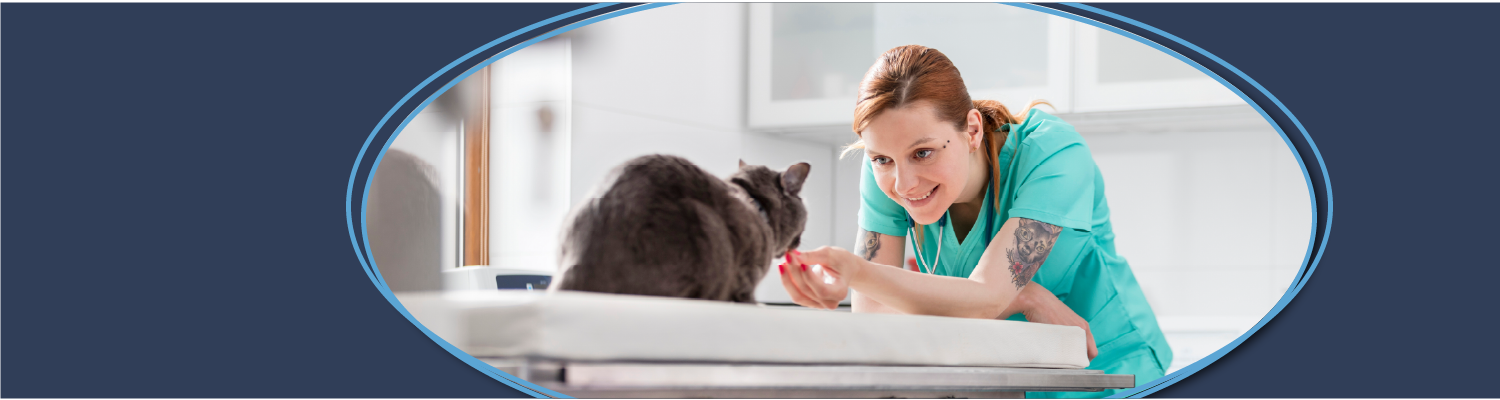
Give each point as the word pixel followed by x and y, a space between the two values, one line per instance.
pixel 921 200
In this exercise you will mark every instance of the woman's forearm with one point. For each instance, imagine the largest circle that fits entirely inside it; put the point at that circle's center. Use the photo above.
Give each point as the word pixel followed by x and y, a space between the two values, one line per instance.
pixel 861 303
pixel 917 293
pixel 1016 252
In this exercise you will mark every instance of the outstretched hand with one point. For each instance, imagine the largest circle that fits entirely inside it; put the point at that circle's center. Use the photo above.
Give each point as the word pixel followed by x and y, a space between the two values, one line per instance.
pixel 818 278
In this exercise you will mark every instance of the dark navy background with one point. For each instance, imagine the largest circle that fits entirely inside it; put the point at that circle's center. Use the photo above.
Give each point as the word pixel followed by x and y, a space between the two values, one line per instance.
pixel 177 175
pixel 1401 102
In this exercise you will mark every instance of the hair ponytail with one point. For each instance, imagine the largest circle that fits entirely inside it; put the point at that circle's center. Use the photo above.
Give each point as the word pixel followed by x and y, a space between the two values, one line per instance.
pixel 996 118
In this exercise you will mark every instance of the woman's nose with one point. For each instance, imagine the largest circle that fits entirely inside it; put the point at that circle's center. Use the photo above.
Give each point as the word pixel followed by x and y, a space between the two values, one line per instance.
pixel 906 180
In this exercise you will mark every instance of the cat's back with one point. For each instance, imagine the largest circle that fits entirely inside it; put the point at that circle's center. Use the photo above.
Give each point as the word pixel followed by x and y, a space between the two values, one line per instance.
pixel 658 178
pixel 656 225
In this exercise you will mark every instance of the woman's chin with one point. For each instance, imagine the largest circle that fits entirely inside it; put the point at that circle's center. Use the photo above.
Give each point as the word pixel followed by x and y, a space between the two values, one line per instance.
pixel 924 216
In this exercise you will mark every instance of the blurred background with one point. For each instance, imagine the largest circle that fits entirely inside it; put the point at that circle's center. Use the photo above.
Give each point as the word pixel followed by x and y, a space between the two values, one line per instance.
pixel 1209 204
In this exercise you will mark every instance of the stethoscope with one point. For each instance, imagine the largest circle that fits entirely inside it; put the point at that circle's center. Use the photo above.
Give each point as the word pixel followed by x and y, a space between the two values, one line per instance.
pixel 911 229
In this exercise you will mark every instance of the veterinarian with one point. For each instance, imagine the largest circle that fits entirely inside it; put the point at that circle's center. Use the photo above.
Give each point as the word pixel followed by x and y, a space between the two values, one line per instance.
pixel 1006 213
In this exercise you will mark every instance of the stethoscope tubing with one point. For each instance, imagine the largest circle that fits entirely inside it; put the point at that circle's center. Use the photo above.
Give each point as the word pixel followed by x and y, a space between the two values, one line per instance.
pixel 911 230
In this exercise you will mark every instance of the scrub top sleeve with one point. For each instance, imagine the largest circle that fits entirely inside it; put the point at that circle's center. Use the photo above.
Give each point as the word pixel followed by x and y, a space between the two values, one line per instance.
pixel 877 212
pixel 1058 186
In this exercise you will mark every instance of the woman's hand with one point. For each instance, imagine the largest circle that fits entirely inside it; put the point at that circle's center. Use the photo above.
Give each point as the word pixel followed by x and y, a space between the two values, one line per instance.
pixel 819 278
pixel 1039 305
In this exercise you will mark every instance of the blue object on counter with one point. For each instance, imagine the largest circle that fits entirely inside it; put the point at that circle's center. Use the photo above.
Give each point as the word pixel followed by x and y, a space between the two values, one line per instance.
pixel 529 282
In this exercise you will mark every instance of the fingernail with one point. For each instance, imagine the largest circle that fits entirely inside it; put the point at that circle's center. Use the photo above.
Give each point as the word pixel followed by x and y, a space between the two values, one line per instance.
pixel 804 267
pixel 783 268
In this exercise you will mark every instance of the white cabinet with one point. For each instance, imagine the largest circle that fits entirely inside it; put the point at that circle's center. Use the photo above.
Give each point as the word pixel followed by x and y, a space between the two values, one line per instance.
pixel 806 60
pixel 1117 73
pixel 1004 53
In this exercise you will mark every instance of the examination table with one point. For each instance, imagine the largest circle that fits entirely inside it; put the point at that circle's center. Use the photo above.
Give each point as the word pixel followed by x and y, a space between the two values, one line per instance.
pixel 601 345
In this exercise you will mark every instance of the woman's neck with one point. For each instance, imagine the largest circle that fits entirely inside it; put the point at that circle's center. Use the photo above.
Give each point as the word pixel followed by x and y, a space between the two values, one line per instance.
pixel 966 210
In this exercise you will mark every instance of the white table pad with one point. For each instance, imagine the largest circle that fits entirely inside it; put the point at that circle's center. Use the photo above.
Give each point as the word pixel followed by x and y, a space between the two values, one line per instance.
pixel 603 327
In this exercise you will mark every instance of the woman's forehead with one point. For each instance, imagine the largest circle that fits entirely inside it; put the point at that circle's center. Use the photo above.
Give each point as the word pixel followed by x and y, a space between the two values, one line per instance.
pixel 896 130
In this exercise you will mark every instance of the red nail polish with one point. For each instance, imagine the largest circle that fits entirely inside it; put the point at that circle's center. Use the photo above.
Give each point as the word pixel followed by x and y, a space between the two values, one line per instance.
pixel 783 268
pixel 804 267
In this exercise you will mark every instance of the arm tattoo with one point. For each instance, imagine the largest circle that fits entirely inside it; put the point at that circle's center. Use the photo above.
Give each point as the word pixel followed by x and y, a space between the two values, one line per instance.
pixel 1034 241
pixel 869 245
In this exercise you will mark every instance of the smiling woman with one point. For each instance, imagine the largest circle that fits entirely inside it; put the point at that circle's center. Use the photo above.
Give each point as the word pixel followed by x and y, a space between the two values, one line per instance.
pixel 1016 202
pixel 910 90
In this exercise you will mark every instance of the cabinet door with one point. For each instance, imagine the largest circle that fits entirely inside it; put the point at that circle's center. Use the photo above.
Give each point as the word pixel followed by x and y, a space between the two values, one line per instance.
pixel 1004 53
pixel 806 60
pixel 1118 73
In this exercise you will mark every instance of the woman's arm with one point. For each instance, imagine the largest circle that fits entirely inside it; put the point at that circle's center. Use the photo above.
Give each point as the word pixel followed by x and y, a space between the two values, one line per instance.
pixel 1024 244
pixel 880 249
pixel 1039 305
pixel 1007 265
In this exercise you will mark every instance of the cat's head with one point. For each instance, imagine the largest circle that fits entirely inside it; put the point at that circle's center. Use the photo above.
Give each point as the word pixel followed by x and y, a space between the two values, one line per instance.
pixel 778 195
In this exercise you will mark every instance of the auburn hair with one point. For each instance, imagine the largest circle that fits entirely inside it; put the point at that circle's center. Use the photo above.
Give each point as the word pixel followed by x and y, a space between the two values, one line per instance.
pixel 909 74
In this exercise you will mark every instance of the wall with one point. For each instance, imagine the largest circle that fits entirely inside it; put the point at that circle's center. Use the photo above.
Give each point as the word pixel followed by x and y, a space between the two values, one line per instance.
pixel 530 154
pixel 668 80
pixel 414 233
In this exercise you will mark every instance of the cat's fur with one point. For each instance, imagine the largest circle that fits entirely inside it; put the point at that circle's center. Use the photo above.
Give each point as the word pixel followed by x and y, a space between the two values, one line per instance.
pixel 659 225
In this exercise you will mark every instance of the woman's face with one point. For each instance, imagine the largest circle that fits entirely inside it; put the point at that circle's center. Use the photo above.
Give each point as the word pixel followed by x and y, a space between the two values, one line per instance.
pixel 921 162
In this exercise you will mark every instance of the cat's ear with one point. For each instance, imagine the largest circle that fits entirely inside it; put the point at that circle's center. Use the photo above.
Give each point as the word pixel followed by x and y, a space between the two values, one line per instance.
pixel 792 179
pixel 742 163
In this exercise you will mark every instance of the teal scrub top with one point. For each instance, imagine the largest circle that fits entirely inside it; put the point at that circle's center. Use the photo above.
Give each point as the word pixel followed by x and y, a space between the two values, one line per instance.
pixel 1049 176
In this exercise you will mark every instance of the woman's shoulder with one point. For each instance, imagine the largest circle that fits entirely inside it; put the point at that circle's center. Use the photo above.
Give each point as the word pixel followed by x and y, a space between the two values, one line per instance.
pixel 1046 132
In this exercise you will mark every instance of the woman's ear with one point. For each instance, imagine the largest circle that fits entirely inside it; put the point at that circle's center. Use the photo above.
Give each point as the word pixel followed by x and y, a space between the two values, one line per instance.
pixel 975 129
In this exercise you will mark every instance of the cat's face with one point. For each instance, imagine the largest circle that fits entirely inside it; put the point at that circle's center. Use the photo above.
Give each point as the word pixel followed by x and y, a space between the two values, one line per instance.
pixel 778 194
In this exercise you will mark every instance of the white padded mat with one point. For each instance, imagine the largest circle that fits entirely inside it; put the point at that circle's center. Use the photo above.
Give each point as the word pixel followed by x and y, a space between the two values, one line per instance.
pixel 603 327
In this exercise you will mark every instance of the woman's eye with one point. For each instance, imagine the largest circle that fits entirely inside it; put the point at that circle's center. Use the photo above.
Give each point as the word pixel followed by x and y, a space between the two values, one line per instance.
pixel 880 160
pixel 924 153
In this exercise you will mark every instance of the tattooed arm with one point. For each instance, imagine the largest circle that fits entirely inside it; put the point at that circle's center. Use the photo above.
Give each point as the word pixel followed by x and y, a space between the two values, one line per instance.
pixel 999 286
pixel 1033 242
pixel 881 249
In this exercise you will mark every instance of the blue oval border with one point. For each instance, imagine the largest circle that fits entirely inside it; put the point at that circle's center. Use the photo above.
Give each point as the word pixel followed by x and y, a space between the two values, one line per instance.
pixel 1201 59
pixel 510 43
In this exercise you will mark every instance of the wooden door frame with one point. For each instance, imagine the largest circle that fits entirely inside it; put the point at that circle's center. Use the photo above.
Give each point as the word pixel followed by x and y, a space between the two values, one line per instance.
pixel 476 168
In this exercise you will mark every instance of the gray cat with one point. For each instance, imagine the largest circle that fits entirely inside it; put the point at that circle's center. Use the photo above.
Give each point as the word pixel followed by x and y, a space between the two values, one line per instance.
pixel 659 225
